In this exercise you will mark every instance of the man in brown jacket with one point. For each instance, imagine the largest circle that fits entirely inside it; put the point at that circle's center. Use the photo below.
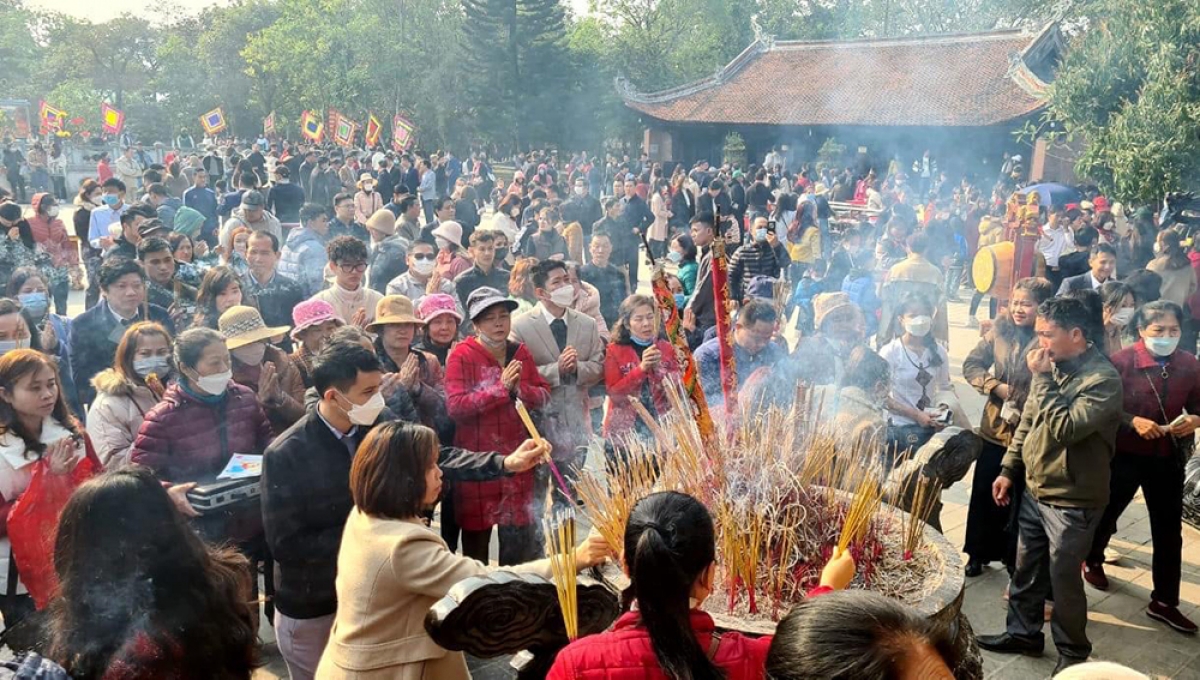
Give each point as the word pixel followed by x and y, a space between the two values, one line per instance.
pixel 1062 448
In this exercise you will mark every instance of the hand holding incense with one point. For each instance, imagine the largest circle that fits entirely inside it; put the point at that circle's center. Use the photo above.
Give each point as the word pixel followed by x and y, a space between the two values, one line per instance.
pixel 537 437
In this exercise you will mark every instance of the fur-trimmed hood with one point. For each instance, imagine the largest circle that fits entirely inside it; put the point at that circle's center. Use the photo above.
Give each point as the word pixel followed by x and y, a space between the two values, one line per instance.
pixel 112 383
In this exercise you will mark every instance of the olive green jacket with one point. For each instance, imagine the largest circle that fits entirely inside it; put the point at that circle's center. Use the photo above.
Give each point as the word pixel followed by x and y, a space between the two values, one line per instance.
pixel 1068 431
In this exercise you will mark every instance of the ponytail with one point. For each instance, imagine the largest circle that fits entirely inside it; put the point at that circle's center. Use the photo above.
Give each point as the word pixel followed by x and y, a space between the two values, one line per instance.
pixel 669 542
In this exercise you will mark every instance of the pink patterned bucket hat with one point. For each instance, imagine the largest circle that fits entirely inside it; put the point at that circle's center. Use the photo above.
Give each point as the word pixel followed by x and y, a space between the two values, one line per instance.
pixel 311 313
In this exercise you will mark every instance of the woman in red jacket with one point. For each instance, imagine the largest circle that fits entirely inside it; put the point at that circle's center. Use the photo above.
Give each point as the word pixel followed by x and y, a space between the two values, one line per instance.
pixel 201 421
pixel 634 366
pixel 669 554
pixel 1161 384
pixel 485 376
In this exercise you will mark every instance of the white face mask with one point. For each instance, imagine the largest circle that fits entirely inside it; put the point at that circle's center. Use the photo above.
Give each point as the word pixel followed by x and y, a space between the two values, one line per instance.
pixel 215 384
pixel 442 243
pixel 10 345
pixel 1122 316
pixel 579 191
pixel 52 211
pixel 918 326
pixel 365 414
pixel 250 355
pixel 152 365
pixel 563 297
pixel 424 267
pixel 1162 347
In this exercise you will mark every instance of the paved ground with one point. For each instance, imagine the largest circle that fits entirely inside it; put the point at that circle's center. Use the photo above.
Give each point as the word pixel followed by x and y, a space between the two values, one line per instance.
pixel 1118 626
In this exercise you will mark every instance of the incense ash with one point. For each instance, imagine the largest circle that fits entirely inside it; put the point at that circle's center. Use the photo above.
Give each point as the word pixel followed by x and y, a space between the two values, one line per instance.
pixel 785 490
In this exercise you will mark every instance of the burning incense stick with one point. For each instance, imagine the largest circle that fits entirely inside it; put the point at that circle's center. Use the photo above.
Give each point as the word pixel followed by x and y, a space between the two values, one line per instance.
pixel 925 497
pixel 534 435
pixel 560 549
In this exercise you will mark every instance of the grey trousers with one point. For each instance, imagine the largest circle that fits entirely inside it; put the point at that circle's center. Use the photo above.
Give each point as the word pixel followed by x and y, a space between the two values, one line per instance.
pixel 1051 547
pixel 301 643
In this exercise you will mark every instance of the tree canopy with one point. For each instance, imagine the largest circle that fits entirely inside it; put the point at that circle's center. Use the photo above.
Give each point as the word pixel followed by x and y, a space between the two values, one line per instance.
pixel 510 72
pixel 1129 90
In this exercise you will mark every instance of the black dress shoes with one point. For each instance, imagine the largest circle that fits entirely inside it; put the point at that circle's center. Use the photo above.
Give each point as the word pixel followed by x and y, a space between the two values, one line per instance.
pixel 1008 644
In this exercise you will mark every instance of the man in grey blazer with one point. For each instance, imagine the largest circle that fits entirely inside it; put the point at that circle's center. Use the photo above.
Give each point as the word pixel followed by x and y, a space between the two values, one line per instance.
pixel 1102 264
pixel 570 355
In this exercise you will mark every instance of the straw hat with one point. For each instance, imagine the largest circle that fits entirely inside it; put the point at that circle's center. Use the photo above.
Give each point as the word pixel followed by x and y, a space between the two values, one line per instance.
pixel 242 325
pixel 827 303
pixel 393 309
pixel 313 313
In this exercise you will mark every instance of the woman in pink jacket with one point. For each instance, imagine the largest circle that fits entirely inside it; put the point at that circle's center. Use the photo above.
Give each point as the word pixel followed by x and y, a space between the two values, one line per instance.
pixel 50 235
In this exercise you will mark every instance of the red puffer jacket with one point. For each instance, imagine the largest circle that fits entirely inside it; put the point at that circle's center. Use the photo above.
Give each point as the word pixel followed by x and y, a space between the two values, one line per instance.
pixel 624 653
pixel 624 378
pixel 486 419
pixel 185 440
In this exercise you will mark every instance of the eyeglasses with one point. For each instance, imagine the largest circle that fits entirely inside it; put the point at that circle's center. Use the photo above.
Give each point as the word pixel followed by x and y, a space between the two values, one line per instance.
pixel 423 256
pixel 349 267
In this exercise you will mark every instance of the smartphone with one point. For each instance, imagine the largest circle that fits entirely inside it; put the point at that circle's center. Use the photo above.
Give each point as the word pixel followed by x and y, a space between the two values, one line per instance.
pixel 1178 421
pixel 770 226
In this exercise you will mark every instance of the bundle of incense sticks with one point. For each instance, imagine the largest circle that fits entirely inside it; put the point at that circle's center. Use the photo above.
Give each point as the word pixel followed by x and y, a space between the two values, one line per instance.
pixel 560 549
pixel 863 506
pixel 534 435
pixel 926 493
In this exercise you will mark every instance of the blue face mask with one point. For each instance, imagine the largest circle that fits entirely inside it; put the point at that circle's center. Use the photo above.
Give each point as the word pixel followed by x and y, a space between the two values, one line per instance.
pixel 680 298
pixel 641 343
pixel 1162 347
pixel 35 303
pixel 111 199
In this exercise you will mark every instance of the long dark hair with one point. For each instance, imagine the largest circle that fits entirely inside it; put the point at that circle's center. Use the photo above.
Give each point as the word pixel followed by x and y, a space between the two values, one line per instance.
pixel 852 634
pixel 669 542
pixel 15 365
pixel 918 302
pixel 215 281
pixel 129 565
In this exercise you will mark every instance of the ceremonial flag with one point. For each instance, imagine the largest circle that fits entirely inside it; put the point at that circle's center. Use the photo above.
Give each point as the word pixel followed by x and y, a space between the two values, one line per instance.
pixel 402 132
pixel 312 127
pixel 213 121
pixel 52 118
pixel 111 120
pixel 374 127
pixel 331 120
pixel 343 132
pixel 269 124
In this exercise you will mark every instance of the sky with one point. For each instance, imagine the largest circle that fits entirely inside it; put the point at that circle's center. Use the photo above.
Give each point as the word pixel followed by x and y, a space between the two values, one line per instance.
pixel 103 10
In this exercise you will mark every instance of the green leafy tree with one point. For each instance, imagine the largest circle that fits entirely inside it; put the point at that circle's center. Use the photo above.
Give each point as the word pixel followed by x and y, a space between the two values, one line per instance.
pixel 517 69
pixel 1129 87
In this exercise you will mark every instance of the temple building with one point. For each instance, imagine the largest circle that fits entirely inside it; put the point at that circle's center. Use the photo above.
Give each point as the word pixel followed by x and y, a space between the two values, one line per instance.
pixel 959 96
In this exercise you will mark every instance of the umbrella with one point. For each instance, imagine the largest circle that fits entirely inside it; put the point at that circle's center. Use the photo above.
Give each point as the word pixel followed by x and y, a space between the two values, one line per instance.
pixel 1051 194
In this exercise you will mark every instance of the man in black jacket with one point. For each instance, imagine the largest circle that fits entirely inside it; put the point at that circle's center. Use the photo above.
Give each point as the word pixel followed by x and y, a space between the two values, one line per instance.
pixel 582 208
pixel 306 494
pixel 485 272
pixel 284 198
pixel 701 312
pixel 96 333
pixel 637 218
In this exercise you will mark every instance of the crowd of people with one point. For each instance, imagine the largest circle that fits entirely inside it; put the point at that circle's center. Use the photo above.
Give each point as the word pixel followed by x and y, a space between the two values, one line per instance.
pixel 369 323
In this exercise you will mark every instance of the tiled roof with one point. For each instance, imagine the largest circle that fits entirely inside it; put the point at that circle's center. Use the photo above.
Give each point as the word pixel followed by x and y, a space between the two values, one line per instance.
pixel 961 80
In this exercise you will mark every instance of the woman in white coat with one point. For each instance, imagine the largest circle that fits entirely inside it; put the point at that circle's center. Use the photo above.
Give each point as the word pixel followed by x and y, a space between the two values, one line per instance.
pixel 392 568
pixel 126 392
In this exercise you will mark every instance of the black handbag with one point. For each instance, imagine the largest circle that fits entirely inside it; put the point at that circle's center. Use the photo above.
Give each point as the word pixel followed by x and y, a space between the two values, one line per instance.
pixel 1183 447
